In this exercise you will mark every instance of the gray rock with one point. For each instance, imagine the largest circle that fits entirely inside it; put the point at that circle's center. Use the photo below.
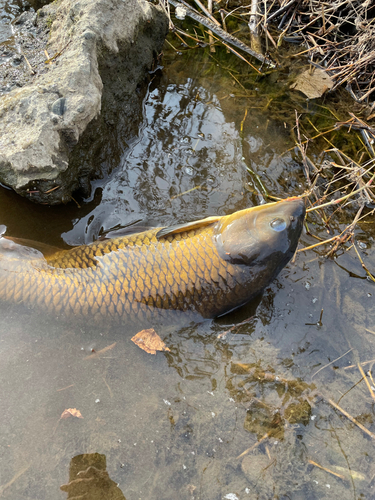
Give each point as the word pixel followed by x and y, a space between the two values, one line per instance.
pixel 26 17
pixel 92 42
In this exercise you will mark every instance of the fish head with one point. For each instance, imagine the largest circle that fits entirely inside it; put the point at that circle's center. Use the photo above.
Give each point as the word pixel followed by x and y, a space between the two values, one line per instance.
pixel 265 236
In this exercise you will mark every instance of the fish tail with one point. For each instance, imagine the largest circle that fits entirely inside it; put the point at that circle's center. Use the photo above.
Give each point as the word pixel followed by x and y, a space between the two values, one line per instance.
pixel 12 251
pixel 17 266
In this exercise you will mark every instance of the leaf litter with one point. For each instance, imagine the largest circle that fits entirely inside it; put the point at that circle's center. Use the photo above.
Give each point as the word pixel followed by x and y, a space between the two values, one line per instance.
pixel 149 341
pixel 71 412
pixel 313 83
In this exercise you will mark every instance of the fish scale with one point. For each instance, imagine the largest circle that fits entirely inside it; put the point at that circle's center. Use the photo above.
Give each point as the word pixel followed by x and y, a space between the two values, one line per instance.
pixel 185 268
pixel 160 277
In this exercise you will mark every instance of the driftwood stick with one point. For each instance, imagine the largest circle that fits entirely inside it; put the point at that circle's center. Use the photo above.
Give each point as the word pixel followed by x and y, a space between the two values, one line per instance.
pixel 207 12
pixel 253 21
pixel 210 37
pixel 222 34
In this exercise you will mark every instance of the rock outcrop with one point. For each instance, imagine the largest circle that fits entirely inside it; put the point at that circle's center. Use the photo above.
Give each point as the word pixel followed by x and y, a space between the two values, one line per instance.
pixel 92 43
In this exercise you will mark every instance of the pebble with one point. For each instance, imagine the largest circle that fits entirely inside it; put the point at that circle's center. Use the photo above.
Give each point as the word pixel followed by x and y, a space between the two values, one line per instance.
pixel 59 106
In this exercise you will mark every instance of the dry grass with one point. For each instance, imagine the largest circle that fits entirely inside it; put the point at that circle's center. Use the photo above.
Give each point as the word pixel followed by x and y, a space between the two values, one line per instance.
pixel 337 36
pixel 340 186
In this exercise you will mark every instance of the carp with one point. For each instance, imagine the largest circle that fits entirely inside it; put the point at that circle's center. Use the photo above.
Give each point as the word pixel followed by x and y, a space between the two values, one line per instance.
pixel 208 267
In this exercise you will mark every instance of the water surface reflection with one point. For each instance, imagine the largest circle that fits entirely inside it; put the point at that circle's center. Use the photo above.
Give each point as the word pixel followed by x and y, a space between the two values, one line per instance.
pixel 88 478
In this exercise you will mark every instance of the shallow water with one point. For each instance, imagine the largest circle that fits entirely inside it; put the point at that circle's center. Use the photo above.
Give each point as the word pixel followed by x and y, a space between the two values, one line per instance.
pixel 179 423
pixel 8 12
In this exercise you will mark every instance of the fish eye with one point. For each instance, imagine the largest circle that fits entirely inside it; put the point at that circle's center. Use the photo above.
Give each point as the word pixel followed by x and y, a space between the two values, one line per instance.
pixel 278 225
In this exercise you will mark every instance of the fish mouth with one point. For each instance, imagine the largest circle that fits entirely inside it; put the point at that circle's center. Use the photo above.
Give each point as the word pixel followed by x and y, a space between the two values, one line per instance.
pixel 295 209
pixel 295 205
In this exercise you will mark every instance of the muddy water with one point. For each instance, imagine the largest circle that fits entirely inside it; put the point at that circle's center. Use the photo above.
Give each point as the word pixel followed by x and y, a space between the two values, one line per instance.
pixel 227 413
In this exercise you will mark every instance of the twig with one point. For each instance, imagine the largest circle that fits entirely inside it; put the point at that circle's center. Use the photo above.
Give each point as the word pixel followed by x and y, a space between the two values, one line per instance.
pixel 280 11
pixel 29 65
pixel 318 244
pixel 347 392
pixel 364 363
pixel 335 202
pixel 349 417
pixel 302 150
pixel 267 435
pixel 231 49
pixel 222 14
pixel 207 12
pixel 243 121
pixel 46 53
pixel 223 334
pixel 223 34
pixel 63 388
pixel 52 189
pixel 14 478
pixel 362 263
pixel 367 382
pixel 109 389
pixel 102 351
pixel 253 21
pixel 57 54
pixel 327 470
pixel 186 192
pixel 334 361
pixel 211 40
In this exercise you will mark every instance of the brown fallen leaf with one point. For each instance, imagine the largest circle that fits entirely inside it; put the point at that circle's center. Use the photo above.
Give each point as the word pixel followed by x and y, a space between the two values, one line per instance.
pixel 149 341
pixel 71 412
pixel 313 83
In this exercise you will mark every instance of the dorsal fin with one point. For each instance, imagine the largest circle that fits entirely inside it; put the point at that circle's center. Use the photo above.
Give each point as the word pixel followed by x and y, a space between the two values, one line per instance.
pixel 189 226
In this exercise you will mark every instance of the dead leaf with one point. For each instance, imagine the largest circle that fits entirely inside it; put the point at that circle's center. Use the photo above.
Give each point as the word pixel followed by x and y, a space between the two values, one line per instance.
pixel 313 83
pixel 71 412
pixel 149 341
pixel 98 353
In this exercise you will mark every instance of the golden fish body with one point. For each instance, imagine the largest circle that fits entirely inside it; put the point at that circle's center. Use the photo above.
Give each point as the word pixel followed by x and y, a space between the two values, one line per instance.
pixel 209 267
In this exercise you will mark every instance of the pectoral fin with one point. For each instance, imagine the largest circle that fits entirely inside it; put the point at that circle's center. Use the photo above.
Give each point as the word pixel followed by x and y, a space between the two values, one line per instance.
pixel 190 226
